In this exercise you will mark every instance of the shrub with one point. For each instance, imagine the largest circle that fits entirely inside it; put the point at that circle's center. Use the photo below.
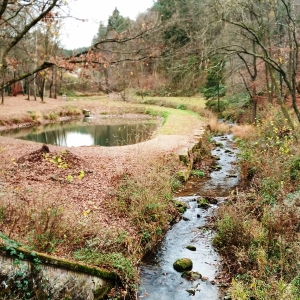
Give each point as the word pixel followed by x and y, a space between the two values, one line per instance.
pixel 232 230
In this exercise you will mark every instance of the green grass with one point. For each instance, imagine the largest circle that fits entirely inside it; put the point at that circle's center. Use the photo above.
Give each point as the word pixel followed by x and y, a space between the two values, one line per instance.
pixel 175 102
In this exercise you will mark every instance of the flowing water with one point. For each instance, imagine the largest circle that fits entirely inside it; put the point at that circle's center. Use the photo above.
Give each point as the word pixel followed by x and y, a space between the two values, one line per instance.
pixel 158 278
pixel 87 132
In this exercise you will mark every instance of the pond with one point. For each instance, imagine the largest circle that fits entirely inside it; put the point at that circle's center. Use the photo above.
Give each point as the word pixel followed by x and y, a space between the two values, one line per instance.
pixel 88 132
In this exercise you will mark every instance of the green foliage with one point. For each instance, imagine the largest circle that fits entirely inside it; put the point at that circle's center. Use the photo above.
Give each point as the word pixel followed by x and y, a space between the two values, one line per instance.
pixel 213 92
pixel 214 79
pixel 146 199
pixel 197 173
pixel 181 106
pixel 46 233
pixel 167 8
pixel 117 23
pixel 232 231
pixel 294 169
pixel 203 203
pixel 258 228
pixel 176 184
pixel 155 113
pixel 175 37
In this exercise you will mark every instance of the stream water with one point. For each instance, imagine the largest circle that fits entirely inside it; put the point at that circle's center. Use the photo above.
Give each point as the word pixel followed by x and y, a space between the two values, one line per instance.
pixel 158 278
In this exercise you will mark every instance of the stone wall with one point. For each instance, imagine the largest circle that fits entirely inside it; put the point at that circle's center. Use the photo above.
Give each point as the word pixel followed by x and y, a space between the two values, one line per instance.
pixel 39 278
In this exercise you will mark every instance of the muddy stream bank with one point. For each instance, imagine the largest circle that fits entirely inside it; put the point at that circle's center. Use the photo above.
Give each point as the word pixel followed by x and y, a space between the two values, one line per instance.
pixel 159 280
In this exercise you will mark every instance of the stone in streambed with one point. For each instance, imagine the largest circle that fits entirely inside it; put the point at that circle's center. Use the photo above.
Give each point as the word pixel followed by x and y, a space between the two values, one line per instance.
pixel 190 275
pixel 183 264
pixel 191 291
pixel 192 248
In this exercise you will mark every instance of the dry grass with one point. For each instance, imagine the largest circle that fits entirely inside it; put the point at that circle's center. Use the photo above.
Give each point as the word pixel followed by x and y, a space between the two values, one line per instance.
pixel 217 127
pixel 242 131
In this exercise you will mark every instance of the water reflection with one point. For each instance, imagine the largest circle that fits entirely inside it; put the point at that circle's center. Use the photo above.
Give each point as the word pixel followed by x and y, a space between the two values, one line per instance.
pixel 75 134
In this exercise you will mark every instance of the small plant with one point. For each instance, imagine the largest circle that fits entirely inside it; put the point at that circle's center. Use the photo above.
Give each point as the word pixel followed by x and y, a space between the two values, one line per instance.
pixel 203 203
pixel 181 106
pixel 197 173
pixel 53 116
pixel 70 178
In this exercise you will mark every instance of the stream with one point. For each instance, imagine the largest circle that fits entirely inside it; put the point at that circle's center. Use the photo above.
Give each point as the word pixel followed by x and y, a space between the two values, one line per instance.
pixel 159 280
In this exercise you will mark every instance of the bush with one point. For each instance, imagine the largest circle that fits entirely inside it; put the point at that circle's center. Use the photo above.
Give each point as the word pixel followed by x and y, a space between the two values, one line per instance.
pixel 232 230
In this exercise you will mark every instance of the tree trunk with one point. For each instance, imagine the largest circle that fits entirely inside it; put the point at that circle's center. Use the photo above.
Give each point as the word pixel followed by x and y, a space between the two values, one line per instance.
pixel 28 91
pixel 280 100
pixel 42 89
pixel 270 87
pixel 2 94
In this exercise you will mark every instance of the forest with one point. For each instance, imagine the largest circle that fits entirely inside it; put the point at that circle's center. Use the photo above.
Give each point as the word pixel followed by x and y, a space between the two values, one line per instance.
pixel 241 56
pixel 176 48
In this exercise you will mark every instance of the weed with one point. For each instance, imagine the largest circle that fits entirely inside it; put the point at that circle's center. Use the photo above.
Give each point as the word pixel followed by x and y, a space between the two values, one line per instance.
pixel 203 203
pixel 197 173
pixel 154 113
pixel 181 106
pixel 232 231
pixel 114 261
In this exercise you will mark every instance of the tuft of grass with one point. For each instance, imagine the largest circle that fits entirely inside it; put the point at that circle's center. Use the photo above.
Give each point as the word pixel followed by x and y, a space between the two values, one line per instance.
pixel 197 173
pixel 217 127
pixel 242 131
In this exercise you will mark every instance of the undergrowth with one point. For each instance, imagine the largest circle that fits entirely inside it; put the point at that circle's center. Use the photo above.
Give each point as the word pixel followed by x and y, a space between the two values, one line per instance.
pixel 145 198
pixel 258 228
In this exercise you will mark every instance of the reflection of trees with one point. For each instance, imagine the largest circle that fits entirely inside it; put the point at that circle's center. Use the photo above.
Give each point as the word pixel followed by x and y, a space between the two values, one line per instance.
pixel 104 135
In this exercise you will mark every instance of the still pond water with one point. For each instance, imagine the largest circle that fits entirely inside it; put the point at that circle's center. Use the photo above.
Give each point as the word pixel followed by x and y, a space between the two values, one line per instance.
pixel 87 132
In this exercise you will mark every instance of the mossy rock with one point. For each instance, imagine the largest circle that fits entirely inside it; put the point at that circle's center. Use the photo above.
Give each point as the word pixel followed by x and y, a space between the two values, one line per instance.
pixel 190 275
pixel 183 264
pixel 181 206
pixel 190 247
pixel 212 200
pixel 203 203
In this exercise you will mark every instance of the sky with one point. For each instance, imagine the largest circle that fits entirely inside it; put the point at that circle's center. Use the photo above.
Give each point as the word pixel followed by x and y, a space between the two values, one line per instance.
pixel 76 34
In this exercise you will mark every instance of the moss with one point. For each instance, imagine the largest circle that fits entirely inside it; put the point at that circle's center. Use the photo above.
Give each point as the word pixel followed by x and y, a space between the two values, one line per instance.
pixel 183 264
pixel 190 275
pixel 190 247
pixel 203 203
pixel 101 292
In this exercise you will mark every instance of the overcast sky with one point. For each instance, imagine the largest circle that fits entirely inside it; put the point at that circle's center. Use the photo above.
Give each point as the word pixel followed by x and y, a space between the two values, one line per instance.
pixel 80 34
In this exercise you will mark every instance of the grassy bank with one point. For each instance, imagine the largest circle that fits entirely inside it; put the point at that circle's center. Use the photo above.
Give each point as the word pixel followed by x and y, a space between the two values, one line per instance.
pixel 258 228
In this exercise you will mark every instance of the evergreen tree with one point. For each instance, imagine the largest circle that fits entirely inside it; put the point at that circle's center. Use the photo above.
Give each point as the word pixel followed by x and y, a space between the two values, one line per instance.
pixel 117 23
